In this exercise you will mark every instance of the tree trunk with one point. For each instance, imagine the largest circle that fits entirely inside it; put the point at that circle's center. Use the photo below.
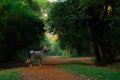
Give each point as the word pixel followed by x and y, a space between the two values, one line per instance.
pixel 97 53
pixel 103 52
pixel 68 51
pixel 79 51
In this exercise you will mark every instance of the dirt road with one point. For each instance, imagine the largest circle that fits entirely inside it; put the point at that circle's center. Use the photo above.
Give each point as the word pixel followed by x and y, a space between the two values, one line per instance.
pixel 49 70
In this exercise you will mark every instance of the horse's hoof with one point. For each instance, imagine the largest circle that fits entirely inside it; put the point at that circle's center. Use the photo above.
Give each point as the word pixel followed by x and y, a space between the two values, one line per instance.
pixel 30 65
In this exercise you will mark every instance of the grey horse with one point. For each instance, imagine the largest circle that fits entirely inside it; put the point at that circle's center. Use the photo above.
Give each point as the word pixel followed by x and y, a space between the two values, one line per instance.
pixel 36 54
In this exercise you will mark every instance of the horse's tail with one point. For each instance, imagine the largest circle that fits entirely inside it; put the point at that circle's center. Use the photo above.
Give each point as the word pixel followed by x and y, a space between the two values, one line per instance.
pixel 28 57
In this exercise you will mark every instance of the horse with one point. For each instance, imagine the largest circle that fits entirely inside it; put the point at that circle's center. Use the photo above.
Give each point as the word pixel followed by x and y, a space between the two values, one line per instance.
pixel 36 54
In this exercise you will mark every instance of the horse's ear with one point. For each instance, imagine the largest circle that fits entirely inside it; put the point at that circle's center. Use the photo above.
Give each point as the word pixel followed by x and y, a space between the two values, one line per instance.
pixel 46 48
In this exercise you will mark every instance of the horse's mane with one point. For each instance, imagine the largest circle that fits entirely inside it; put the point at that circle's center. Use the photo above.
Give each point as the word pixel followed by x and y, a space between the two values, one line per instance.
pixel 37 49
pixel 41 48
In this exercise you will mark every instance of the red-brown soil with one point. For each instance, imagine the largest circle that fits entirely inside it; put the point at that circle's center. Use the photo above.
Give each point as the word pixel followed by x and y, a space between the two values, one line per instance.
pixel 49 70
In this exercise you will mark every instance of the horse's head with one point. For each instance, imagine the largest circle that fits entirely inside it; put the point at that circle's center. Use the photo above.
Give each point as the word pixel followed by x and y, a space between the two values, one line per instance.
pixel 44 49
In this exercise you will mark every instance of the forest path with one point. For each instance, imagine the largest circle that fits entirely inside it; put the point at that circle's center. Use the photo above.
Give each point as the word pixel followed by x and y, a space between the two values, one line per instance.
pixel 50 71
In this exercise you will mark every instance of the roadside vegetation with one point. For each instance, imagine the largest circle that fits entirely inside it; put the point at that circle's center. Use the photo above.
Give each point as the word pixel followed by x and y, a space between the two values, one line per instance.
pixel 10 74
pixel 97 72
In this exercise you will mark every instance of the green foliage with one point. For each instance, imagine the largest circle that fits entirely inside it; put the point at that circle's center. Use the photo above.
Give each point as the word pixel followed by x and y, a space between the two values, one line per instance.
pixel 63 54
pixel 66 21
pixel 55 48
pixel 115 66
pixel 54 45
pixel 80 22
pixel 74 55
pixel 20 28
pixel 22 55
pixel 70 24
pixel 11 74
pixel 115 24
pixel 34 5
pixel 93 71
pixel 46 41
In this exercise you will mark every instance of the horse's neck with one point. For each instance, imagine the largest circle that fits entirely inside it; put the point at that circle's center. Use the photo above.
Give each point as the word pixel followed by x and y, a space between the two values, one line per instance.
pixel 43 50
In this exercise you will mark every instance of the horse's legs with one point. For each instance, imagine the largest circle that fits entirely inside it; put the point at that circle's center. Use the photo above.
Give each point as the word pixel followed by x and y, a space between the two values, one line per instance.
pixel 40 61
pixel 31 58
pixel 30 63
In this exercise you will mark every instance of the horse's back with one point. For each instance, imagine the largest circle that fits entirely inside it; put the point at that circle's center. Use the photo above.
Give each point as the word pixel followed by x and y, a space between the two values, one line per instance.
pixel 38 53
